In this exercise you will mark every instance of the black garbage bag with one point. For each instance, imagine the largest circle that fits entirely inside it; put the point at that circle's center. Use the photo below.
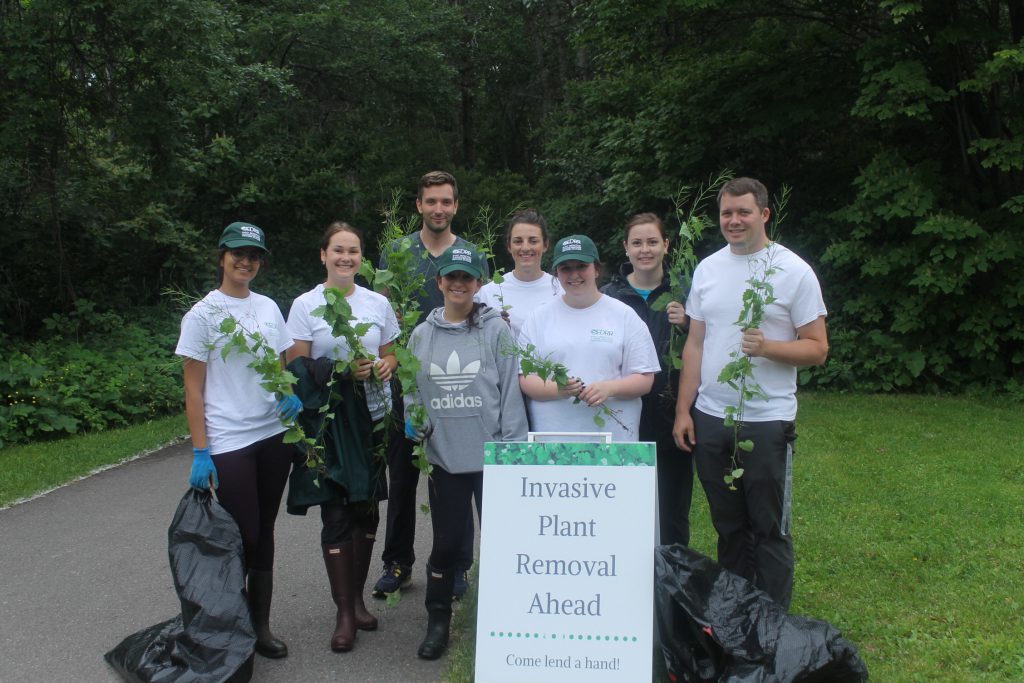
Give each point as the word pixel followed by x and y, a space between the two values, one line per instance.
pixel 212 639
pixel 716 626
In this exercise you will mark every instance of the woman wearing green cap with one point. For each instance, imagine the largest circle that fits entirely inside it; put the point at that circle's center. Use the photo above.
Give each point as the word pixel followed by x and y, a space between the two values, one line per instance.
pixel 237 426
pixel 467 384
pixel 604 344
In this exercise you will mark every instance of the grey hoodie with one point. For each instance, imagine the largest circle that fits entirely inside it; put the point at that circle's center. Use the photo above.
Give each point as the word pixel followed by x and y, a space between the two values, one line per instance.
pixel 469 384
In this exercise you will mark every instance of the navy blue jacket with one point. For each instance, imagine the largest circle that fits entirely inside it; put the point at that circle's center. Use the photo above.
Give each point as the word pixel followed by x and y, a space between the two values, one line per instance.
pixel 659 406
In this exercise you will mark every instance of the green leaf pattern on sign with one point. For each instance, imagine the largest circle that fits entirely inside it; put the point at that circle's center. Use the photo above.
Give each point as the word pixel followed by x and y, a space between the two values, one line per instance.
pixel 570 453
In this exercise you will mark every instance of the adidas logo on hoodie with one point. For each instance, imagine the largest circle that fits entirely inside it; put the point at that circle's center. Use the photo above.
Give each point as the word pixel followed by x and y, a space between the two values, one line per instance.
pixel 454 377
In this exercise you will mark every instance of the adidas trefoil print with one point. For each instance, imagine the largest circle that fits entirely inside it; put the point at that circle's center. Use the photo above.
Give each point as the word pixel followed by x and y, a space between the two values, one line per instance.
pixel 454 377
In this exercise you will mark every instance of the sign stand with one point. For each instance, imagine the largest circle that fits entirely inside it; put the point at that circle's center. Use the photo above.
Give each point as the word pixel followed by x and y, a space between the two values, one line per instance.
pixel 566 589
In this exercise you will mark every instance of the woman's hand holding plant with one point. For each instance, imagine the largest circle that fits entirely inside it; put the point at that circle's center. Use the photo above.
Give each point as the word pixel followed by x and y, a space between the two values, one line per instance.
pixel 384 368
pixel 676 313
pixel 361 369
pixel 572 388
pixel 595 394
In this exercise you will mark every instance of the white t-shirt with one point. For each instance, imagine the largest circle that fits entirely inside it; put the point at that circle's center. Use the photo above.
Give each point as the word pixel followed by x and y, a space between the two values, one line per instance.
pixel 716 299
pixel 367 307
pixel 607 340
pixel 522 297
pixel 239 412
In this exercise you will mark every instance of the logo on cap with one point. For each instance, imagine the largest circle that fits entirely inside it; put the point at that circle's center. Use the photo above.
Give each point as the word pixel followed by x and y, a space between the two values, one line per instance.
pixel 250 232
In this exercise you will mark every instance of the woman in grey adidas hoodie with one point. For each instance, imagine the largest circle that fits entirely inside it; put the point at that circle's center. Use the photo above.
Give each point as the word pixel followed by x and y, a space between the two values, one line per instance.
pixel 468 385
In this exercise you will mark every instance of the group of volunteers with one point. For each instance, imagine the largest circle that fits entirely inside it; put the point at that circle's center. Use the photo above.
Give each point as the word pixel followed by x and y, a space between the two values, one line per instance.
pixel 470 385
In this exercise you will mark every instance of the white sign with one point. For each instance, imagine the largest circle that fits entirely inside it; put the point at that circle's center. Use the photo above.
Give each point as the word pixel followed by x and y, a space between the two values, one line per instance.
pixel 566 563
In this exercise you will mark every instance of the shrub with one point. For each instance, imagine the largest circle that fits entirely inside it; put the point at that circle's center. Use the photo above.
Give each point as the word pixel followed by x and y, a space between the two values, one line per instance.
pixel 92 370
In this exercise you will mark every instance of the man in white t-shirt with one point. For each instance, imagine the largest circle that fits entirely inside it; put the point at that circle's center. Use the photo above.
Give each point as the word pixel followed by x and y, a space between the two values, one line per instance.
pixel 752 513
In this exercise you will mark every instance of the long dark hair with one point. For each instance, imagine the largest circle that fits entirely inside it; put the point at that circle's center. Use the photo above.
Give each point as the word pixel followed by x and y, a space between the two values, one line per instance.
pixel 473 319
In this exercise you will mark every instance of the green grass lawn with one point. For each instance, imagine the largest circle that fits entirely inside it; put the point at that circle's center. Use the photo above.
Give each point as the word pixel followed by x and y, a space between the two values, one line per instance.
pixel 909 533
pixel 31 468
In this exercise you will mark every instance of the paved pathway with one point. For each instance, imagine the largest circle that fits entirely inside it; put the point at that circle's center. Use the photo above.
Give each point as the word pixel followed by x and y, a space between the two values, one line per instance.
pixel 86 565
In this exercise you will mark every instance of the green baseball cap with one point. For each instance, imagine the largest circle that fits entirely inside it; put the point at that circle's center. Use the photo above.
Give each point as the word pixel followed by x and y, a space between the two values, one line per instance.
pixel 463 258
pixel 575 248
pixel 243 235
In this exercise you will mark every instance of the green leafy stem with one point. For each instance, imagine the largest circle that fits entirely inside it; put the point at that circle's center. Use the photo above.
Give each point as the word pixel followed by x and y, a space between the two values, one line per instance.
pixel 738 373
pixel 402 282
pixel 531 363
pixel 266 362
pixel 690 206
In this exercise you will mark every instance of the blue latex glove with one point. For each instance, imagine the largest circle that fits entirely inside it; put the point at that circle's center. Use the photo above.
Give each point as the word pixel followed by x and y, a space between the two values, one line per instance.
pixel 202 468
pixel 414 434
pixel 288 407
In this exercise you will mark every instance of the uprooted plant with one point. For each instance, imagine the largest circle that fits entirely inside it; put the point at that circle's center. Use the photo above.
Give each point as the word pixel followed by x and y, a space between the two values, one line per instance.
pixel 483 233
pixel 690 204
pixel 738 373
pixel 234 337
pixel 402 282
pixel 531 363
pixel 266 362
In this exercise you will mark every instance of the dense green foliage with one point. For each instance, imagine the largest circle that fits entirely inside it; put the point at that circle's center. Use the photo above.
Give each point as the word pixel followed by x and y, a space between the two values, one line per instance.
pixel 89 371
pixel 131 132
pixel 898 124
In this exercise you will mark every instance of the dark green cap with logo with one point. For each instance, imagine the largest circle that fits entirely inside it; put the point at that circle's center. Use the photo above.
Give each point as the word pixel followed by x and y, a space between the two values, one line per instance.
pixel 243 235
pixel 575 248
pixel 461 257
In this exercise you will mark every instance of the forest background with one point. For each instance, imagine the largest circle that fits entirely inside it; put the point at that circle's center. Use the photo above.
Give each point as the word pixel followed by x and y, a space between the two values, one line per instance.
pixel 133 131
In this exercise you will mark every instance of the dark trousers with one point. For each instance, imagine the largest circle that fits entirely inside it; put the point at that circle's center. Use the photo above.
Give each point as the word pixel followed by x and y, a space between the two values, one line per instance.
pixel 753 522
pixel 251 483
pixel 451 500
pixel 403 479
pixel 340 520
pixel 675 480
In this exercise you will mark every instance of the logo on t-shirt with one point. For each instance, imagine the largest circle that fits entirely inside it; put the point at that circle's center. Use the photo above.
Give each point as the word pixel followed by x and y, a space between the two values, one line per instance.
pixel 602 336
pixel 455 377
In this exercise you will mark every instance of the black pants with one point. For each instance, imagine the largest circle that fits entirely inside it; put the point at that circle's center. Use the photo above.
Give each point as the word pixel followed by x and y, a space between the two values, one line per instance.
pixel 251 483
pixel 451 500
pixel 403 479
pixel 340 520
pixel 753 522
pixel 675 479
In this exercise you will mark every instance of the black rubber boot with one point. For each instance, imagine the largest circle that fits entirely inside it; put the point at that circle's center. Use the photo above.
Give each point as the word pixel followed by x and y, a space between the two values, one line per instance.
pixel 439 612
pixel 338 560
pixel 261 588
